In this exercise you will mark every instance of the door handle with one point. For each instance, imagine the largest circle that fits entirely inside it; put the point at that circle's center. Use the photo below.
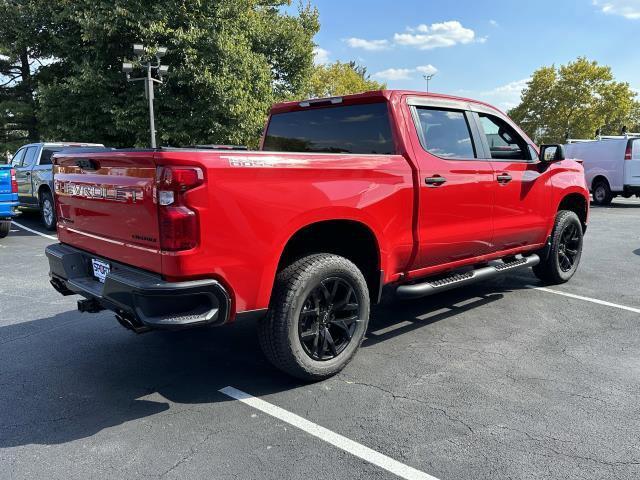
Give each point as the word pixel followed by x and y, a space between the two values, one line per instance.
pixel 504 178
pixel 27 173
pixel 435 181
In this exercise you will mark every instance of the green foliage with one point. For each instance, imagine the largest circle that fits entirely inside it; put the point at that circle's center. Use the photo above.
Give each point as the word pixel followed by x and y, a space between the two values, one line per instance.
pixel 340 79
pixel 229 60
pixel 24 38
pixel 577 98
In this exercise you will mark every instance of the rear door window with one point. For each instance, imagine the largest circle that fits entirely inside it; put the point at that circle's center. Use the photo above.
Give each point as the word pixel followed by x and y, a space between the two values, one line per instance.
pixel 361 129
pixel 47 153
pixel 445 133
pixel 30 156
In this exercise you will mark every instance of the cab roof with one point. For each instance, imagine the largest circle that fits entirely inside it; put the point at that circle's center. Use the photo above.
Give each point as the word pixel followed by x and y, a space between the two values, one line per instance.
pixel 367 97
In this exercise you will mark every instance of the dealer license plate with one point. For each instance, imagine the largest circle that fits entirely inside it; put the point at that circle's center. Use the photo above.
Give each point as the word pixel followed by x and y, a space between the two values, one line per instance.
pixel 100 269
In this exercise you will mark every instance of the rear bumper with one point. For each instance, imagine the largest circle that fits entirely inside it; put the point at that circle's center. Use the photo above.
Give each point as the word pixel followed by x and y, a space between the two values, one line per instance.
pixel 137 296
pixel 8 204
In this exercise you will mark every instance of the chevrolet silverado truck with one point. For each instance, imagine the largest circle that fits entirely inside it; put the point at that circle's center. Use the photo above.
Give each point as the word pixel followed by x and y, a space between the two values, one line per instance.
pixel 404 191
pixel 8 198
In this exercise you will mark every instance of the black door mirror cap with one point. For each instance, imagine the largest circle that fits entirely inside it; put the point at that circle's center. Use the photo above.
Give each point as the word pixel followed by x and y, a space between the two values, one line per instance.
pixel 556 156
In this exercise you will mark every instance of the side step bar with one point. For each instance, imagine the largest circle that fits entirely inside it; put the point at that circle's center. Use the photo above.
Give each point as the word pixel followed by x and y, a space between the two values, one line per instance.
pixel 417 290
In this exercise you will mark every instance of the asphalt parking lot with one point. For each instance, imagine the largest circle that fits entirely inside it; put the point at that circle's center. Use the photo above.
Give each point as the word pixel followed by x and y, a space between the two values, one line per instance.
pixel 498 381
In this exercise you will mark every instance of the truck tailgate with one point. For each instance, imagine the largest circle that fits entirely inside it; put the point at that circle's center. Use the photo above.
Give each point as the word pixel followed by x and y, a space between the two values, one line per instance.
pixel 106 203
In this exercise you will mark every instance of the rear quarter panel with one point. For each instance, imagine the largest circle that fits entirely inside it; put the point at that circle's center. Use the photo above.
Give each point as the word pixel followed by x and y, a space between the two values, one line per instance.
pixel 256 201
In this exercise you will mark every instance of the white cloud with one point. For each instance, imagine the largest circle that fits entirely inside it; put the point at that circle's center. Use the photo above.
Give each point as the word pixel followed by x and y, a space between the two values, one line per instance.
pixel 371 45
pixel 320 56
pixel 392 74
pixel 427 69
pixel 494 23
pixel 629 9
pixel 395 74
pixel 436 35
pixel 505 96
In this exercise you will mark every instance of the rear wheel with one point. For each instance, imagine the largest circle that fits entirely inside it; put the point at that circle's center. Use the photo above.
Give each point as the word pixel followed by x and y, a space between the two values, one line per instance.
pixel 602 194
pixel 5 226
pixel 47 210
pixel 318 317
pixel 565 250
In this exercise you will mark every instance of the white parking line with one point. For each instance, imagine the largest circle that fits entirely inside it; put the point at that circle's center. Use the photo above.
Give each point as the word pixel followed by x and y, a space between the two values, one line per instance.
pixel 34 231
pixel 586 299
pixel 335 439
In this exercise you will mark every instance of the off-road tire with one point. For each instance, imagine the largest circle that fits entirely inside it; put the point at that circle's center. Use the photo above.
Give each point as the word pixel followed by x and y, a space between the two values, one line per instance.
pixel 278 332
pixel 5 226
pixel 550 270
pixel 48 210
pixel 602 195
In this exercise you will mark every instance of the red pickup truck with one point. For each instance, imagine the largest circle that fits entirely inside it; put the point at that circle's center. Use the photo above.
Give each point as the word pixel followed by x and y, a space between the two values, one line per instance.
pixel 414 192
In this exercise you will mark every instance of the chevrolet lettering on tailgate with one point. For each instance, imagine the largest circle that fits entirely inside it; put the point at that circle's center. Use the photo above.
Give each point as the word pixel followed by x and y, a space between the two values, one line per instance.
pixel 100 192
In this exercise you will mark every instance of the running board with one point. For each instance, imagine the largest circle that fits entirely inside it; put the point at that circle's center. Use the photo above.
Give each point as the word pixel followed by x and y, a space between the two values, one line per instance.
pixel 425 289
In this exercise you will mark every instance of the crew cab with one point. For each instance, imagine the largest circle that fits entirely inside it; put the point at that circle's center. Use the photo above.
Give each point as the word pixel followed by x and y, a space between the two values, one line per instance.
pixel 34 176
pixel 409 192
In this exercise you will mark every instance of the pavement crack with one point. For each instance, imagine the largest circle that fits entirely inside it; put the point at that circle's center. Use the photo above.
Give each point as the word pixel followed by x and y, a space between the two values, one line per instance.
pixel 417 400
pixel 193 450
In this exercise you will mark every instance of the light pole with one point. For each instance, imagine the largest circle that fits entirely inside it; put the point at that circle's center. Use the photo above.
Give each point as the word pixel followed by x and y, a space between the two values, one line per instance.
pixel 428 79
pixel 145 61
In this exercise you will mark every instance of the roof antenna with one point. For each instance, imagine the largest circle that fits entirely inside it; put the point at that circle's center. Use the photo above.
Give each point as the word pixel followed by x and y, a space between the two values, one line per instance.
pixel 598 133
pixel 624 130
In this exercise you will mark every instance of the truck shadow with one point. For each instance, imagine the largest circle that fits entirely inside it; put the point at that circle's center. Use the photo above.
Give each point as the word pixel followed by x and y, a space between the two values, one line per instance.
pixel 70 376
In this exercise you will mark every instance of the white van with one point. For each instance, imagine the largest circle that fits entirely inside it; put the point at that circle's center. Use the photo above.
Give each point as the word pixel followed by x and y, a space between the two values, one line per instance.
pixel 611 165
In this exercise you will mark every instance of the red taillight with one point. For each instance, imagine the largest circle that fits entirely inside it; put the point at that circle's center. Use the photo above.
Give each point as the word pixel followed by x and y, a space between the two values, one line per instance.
pixel 14 182
pixel 178 223
pixel 628 151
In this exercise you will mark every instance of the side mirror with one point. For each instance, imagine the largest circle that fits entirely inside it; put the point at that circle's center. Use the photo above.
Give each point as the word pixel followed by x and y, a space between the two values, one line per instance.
pixel 551 153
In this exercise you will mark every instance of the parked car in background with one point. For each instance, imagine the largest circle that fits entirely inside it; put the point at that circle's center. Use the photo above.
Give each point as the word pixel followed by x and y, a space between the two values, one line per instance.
pixel 8 198
pixel 611 165
pixel 34 174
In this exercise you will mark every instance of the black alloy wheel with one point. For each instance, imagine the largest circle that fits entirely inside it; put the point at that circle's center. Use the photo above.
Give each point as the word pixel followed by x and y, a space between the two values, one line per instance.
pixel 328 319
pixel 569 247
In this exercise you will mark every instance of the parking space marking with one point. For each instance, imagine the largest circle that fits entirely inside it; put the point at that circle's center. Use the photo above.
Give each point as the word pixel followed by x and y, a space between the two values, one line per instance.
pixel 587 299
pixel 335 439
pixel 34 231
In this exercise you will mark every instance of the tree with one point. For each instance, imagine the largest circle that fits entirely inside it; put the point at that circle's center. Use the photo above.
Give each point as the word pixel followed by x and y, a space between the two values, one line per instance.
pixel 575 99
pixel 229 60
pixel 24 39
pixel 340 79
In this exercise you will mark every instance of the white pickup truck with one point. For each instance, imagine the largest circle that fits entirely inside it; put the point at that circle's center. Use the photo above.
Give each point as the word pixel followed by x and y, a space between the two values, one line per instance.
pixel 611 165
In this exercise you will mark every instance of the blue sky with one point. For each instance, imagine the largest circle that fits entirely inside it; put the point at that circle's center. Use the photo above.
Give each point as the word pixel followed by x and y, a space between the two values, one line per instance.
pixel 481 49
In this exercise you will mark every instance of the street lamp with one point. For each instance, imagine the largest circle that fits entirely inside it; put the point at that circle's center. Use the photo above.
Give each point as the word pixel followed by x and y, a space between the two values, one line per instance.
pixel 146 61
pixel 428 79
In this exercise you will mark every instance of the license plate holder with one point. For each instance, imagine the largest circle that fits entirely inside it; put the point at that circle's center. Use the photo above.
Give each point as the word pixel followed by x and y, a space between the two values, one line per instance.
pixel 100 269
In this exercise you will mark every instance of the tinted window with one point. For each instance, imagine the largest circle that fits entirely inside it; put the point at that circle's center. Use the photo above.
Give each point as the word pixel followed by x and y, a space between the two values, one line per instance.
pixel 445 133
pixel 30 156
pixel 16 161
pixel 47 153
pixel 504 141
pixel 348 129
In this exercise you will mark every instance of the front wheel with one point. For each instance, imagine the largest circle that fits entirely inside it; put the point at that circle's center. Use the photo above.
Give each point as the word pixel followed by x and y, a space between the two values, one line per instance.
pixel 47 210
pixel 318 316
pixel 565 250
